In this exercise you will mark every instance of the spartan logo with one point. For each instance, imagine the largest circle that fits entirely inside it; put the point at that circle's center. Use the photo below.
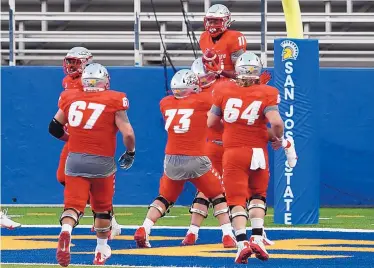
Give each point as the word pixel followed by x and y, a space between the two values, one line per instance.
pixel 290 50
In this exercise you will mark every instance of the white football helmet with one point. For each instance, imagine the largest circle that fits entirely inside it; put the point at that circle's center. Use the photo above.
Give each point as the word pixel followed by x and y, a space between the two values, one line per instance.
pixel 217 19
pixel 95 77
pixel 184 83
pixel 206 78
pixel 76 60
pixel 248 66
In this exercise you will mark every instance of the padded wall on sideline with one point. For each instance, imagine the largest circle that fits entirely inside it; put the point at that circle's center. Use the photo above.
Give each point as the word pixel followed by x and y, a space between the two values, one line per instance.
pixel 30 155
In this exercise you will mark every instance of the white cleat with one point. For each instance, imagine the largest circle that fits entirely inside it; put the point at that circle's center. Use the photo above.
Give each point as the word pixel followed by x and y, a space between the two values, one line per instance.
pixel 258 247
pixel 116 229
pixel 6 222
pixel 102 254
pixel 290 152
pixel 244 252
pixel 267 241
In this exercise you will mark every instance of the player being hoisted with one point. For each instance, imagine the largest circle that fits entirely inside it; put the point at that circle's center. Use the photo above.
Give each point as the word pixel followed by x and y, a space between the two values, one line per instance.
pixel 94 116
pixel 185 160
pixel 74 63
pixel 220 45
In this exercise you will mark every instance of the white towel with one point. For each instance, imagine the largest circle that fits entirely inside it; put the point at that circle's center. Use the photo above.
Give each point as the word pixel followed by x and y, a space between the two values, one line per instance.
pixel 258 159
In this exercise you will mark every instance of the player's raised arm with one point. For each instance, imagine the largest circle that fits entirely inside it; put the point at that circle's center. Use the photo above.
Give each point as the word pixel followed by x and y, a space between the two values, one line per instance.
pixel 123 123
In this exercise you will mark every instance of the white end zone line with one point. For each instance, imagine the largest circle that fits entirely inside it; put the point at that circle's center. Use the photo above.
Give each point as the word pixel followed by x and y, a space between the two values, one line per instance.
pixel 117 265
pixel 341 230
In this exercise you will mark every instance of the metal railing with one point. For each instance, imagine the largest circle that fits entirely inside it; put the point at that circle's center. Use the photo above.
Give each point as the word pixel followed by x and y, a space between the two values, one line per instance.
pixel 137 37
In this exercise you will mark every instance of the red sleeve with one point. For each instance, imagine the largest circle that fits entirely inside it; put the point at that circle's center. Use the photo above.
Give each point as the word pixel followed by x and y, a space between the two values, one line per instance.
pixel 65 83
pixel 62 101
pixel 202 41
pixel 273 97
pixel 162 106
pixel 120 101
pixel 217 98
pixel 238 42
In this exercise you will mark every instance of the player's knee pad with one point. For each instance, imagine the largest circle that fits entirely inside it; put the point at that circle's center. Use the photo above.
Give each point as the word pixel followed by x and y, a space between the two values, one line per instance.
pixel 262 206
pixel 201 201
pixel 233 215
pixel 75 215
pixel 218 201
pixel 168 205
pixel 104 216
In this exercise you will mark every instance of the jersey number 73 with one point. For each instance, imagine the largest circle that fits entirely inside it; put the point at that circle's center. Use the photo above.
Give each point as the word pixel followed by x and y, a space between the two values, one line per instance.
pixel 184 123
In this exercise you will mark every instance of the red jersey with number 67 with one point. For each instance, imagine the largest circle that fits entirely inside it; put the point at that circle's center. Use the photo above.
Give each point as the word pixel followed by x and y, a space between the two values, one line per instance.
pixel 91 119
pixel 243 112
pixel 186 123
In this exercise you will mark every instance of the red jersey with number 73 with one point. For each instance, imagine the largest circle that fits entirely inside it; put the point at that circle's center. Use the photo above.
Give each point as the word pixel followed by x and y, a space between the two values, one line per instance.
pixel 91 119
pixel 243 113
pixel 186 123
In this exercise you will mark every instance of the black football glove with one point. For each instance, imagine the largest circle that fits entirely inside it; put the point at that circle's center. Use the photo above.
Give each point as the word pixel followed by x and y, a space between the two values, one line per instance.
pixel 126 160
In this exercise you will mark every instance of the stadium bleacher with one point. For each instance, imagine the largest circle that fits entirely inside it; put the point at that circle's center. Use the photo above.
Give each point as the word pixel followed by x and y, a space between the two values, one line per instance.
pixel 45 30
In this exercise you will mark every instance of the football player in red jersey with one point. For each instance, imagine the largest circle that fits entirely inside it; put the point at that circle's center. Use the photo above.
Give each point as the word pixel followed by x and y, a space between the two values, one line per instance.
pixel 94 116
pixel 185 115
pixel 213 150
pixel 74 63
pixel 222 46
pixel 244 107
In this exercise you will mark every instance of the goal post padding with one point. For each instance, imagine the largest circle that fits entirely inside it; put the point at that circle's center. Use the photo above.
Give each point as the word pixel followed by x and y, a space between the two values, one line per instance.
pixel 296 75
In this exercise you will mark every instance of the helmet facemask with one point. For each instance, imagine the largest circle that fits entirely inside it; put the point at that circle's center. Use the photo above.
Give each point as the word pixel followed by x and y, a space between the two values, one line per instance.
pixel 248 75
pixel 216 26
pixel 180 93
pixel 74 66
pixel 207 80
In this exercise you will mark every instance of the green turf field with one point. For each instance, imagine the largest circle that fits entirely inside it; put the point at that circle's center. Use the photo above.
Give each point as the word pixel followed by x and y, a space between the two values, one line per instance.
pixel 359 218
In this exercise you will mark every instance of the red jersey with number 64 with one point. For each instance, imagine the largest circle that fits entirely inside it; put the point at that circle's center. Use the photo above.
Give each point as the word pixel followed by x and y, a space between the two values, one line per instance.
pixel 91 119
pixel 186 123
pixel 243 112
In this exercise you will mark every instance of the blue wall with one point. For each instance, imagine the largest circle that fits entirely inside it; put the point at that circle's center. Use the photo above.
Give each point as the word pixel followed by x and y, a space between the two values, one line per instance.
pixel 30 155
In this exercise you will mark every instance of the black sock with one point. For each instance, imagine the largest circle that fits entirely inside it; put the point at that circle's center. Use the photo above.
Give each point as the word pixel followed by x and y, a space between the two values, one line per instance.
pixel 241 237
pixel 257 231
